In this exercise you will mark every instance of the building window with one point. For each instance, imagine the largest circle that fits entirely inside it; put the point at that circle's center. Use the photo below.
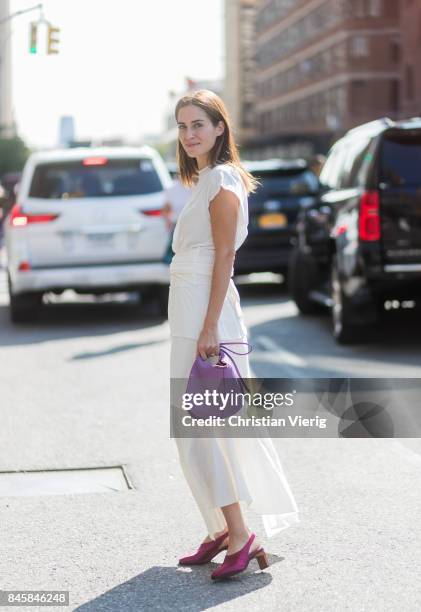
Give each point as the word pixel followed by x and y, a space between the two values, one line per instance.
pixel 359 8
pixel 340 55
pixel 391 8
pixel 306 66
pixel 395 51
pixel 359 46
pixel 375 8
pixel 409 79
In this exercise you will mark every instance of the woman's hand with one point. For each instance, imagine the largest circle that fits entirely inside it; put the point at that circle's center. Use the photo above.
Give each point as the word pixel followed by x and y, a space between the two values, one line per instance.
pixel 208 343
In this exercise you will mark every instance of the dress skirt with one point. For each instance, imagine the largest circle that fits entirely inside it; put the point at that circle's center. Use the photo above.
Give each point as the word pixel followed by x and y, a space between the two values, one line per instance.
pixel 221 471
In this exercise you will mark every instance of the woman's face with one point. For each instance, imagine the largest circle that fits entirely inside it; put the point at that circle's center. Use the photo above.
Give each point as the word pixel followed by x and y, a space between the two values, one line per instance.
pixel 196 132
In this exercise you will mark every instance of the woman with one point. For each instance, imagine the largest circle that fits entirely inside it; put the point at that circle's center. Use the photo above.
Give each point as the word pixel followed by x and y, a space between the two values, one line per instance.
pixel 204 310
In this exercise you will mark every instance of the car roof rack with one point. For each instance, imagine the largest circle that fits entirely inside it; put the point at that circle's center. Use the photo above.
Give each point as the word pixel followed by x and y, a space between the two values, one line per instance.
pixel 409 123
pixel 372 127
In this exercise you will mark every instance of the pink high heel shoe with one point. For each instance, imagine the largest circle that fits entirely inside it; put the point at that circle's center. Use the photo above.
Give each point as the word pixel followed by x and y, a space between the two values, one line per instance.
pixel 238 561
pixel 206 551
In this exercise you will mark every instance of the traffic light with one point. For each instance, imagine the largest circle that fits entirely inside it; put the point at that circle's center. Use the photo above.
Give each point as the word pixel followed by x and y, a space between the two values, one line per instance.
pixel 52 40
pixel 33 31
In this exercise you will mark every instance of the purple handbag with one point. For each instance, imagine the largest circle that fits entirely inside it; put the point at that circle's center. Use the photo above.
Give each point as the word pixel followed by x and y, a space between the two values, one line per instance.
pixel 222 379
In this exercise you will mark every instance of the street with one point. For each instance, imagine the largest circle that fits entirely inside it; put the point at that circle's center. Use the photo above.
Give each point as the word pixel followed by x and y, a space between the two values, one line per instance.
pixel 87 386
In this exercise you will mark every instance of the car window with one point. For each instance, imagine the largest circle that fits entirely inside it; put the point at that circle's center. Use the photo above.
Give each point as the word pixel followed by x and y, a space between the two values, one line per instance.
pixel 341 177
pixel 331 172
pixel 95 177
pixel 362 165
pixel 352 160
pixel 400 160
pixel 294 182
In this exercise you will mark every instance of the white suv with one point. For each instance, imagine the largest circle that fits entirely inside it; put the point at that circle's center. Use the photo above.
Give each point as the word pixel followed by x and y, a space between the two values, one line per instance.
pixel 87 219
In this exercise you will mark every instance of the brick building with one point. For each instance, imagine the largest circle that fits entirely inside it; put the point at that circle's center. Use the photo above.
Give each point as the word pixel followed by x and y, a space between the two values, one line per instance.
pixel 324 66
pixel 411 57
pixel 240 66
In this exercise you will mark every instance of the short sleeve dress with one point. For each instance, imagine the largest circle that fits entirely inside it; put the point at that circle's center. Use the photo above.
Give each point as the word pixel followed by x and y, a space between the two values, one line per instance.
pixel 219 471
pixel 192 265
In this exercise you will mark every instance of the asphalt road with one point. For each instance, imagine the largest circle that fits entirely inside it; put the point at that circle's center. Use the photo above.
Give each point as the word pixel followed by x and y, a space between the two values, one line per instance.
pixel 87 386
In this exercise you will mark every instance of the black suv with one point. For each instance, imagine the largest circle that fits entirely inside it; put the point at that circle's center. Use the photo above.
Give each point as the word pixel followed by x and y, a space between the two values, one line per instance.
pixel 285 187
pixel 359 249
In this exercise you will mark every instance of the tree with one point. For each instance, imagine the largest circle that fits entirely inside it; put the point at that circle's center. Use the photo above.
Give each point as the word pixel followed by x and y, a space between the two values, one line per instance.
pixel 13 154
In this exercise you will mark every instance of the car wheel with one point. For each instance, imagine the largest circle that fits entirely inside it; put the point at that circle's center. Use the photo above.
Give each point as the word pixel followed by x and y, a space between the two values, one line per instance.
pixel 162 301
pixel 344 331
pixel 302 278
pixel 283 286
pixel 24 307
pixel 155 299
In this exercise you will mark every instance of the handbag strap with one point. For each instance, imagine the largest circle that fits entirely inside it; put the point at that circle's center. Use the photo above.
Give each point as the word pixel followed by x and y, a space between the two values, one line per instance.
pixel 236 352
pixel 226 351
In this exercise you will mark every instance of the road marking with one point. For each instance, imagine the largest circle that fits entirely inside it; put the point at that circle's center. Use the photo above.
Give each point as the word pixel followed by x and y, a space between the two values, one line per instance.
pixel 286 356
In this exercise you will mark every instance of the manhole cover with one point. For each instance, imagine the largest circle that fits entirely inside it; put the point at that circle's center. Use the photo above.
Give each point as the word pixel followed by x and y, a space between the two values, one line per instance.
pixel 64 482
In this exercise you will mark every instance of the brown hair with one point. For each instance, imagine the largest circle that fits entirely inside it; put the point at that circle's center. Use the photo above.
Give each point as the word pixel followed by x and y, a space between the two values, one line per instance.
pixel 224 150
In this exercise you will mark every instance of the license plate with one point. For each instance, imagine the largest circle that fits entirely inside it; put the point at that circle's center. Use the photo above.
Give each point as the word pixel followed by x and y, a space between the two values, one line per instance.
pixel 272 220
pixel 101 240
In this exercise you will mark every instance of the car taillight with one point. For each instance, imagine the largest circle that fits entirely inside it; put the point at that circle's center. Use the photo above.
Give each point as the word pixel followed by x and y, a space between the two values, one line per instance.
pixel 156 212
pixel 369 220
pixel 19 219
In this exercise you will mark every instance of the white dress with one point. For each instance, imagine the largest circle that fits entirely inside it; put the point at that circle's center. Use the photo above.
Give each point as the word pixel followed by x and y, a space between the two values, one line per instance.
pixel 219 471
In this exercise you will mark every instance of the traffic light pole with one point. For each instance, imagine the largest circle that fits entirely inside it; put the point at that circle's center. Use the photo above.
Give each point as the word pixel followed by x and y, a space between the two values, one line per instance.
pixel 28 10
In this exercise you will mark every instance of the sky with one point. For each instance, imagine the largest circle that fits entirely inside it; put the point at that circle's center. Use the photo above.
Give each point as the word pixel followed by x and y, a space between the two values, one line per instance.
pixel 117 63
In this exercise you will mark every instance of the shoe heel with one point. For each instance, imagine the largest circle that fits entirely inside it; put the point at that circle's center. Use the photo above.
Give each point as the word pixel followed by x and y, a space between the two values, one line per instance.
pixel 262 560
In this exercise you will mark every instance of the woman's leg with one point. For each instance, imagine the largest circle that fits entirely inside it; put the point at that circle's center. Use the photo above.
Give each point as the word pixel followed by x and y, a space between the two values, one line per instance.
pixel 238 532
pixel 217 519
pixel 183 353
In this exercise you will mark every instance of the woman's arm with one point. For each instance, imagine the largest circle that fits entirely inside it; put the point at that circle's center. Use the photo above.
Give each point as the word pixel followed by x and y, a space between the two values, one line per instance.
pixel 223 214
